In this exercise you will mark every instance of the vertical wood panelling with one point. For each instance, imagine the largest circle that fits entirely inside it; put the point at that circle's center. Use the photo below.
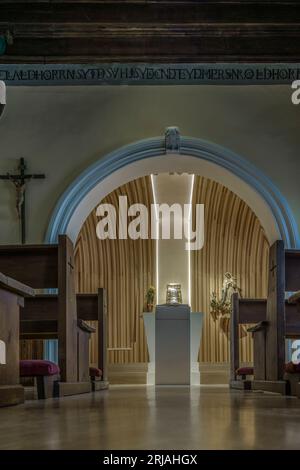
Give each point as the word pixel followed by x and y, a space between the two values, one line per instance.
pixel 234 241
pixel 126 269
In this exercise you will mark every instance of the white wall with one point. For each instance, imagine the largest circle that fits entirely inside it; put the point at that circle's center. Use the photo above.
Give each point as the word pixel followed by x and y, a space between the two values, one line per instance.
pixel 62 130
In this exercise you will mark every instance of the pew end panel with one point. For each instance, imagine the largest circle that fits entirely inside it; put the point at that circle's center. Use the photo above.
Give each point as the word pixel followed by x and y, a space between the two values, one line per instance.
pixel 259 349
pixel 67 311
pixel 260 383
pixel 84 332
pixel 11 298
pixel 39 320
pixel 46 375
pixel 55 316
pixel 97 381
pixel 50 267
pixel 102 333
pixel 244 312
pixel 93 307
pixel 283 317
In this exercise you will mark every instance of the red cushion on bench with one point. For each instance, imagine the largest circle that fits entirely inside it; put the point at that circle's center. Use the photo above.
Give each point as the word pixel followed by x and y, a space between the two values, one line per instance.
pixel 35 367
pixel 292 368
pixel 95 372
pixel 245 371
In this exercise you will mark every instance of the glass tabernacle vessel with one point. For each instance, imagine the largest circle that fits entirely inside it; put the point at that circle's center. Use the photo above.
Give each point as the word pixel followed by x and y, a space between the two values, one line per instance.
pixel 174 293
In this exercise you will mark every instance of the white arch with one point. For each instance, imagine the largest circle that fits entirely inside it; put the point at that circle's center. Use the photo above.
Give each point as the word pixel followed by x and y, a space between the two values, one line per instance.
pixel 192 155
pixel 176 163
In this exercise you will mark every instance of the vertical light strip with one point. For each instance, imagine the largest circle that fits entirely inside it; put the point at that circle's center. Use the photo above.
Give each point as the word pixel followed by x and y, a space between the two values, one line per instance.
pixel 190 220
pixel 157 237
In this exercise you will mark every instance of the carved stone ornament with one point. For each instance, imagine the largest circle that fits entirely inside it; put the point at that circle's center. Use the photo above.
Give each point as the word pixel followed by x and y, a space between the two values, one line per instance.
pixel 172 140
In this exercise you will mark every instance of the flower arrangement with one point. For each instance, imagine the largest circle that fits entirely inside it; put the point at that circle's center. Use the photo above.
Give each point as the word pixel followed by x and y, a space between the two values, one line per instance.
pixel 221 308
pixel 218 307
pixel 150 294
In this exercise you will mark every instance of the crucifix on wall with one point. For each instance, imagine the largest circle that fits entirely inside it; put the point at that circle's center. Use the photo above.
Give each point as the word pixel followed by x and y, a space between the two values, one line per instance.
pixel 20 180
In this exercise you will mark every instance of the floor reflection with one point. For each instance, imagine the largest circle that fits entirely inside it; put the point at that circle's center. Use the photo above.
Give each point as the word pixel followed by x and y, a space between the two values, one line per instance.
pixel 141 417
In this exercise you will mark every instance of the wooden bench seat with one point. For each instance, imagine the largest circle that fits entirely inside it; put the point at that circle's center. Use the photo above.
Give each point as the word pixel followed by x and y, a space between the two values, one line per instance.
pixel 46 374
pixel 98 381
pixel 242 378
pixel 60 315
pixel 12 295
pixel 244 372
pixel 292 377
pixel 95 373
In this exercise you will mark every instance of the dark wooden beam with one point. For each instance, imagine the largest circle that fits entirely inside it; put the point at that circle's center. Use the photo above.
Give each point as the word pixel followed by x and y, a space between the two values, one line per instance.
pixel 150 12
pixel 156 31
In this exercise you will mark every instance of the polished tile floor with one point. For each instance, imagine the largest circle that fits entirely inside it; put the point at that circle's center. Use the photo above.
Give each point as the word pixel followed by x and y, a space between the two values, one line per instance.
pixel 140 417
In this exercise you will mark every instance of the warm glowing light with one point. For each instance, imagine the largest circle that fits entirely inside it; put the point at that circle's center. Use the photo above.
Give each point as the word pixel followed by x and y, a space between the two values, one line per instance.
pixel 189 224
pixel 190 219
pixel 2 352
pixel 157 236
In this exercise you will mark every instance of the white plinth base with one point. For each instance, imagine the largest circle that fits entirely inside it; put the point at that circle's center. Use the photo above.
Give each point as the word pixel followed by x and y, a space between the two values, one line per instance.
pixel 195 374
pixel 151 373
pixel 195 377
pixel 195 335
pixel 172 344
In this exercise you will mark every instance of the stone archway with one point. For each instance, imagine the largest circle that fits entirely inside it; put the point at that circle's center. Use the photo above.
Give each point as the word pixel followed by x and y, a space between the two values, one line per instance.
pixel 173 152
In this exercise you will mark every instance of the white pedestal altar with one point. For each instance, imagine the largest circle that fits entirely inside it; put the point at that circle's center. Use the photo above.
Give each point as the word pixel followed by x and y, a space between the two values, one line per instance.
pixel 173 336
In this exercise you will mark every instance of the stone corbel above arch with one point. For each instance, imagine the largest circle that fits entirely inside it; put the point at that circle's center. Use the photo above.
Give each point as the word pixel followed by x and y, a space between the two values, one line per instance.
pixel 172 140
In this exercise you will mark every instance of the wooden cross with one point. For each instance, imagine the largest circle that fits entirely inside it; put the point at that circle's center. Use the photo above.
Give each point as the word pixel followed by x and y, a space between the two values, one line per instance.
pixel 20 180
pixel 70 264
pixel 274 266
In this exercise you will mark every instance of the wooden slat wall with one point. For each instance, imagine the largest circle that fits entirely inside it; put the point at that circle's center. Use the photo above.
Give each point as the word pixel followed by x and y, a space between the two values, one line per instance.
pixel 234 241
pixel 126 268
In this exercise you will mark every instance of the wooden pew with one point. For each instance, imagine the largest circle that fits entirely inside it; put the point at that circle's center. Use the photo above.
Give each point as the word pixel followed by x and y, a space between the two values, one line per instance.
pixel 11 299
pixel 295 298
pixel 292 373
pixel 244 312
pixel 280 317
pixel 52 267
pixel 254 312
pixel 284 276
pixel 93 307
pixel 39 320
